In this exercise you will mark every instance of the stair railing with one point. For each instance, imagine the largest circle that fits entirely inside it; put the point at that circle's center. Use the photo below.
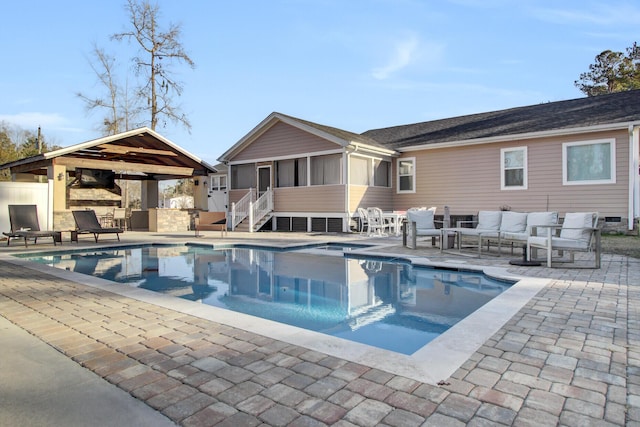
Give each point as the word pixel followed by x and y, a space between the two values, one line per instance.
pixel 260 208
pixel 242 208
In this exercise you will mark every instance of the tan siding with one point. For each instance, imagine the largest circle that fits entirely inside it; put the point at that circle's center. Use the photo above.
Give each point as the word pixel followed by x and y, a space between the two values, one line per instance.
pixel 319 198
pixel 284 140
pixel 362 196
pixel 467 179
pixel 235 195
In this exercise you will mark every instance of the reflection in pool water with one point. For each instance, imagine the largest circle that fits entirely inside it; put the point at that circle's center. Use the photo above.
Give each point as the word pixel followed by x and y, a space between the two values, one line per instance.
pixel 375 301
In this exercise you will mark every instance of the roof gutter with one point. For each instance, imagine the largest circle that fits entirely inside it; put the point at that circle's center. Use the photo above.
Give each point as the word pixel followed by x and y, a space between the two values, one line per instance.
pixel 521 136
pixel 373 149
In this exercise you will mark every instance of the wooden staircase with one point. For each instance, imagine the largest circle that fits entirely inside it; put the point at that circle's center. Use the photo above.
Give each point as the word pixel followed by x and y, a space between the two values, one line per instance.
pixel 244 225
pixel 247 209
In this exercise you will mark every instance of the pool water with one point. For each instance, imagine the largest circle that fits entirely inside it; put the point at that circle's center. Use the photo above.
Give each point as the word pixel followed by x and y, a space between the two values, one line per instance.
pixel 381 302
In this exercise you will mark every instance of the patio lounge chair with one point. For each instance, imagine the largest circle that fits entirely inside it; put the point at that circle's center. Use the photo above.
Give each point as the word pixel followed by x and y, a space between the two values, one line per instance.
pixel 579 232
pixel 25 225
pixel 87 223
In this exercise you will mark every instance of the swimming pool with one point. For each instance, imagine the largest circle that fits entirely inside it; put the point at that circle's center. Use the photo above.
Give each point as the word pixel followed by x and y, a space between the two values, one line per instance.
pixel 379 301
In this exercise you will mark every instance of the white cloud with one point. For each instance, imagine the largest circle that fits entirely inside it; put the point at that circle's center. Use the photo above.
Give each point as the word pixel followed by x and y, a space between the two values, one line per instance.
pixel 31 119
pixel 405 53
pixel 599 14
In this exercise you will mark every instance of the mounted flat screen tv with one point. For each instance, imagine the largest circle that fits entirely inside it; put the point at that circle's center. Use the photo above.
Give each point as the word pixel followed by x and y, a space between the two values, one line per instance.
pixel 94 178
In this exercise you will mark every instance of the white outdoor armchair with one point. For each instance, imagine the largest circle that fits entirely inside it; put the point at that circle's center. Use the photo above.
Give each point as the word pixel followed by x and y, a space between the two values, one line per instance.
pixel 579 232
pixel 421 223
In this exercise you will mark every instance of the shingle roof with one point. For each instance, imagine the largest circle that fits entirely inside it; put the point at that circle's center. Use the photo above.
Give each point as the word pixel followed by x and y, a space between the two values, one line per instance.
pixel 339 133
pixel 621 107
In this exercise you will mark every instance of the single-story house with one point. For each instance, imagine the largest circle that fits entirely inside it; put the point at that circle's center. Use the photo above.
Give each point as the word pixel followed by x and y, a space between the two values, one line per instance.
pixel 566 156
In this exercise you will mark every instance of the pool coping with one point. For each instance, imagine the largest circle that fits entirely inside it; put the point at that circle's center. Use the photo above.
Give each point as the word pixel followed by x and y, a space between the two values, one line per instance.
pixel 434 362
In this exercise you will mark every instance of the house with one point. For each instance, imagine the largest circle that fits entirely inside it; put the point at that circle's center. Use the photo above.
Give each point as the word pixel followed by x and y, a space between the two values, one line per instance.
pixel 311 177
pixel 574 155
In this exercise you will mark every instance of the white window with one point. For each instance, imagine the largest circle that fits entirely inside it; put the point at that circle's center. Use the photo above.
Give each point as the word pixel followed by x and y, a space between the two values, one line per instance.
pixel 381 173
pixel 243 176
pixel 326 170
pixel 589 162
pixel 407 175
pixel 513 170
pixel 367 171
pixel 218 183
pixel 291 173
pixel 359 171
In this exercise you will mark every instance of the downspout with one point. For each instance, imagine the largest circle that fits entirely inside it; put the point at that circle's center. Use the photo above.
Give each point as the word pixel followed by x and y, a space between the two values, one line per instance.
pixel 634 176
pixel 347 191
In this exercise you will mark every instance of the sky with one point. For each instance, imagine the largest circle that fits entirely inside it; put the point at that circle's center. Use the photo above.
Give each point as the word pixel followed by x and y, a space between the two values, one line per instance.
pixel 352 64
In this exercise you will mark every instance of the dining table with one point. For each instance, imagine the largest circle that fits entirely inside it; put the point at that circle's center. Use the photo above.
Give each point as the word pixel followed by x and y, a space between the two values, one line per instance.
pixel 394 220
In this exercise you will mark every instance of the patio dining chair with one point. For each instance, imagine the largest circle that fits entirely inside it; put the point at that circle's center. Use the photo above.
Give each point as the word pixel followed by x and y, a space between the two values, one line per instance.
pixel 87 223
pixel 24 224
pixel 377 225
pixel 120 217
pixel 363 220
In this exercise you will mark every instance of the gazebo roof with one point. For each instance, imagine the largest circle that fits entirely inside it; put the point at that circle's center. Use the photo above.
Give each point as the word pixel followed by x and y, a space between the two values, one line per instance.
pixel 139 154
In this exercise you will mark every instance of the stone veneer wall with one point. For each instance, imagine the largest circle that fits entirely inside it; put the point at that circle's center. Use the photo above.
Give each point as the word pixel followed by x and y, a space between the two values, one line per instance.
pixel 167 220
pixel 98 199
pixel 63 221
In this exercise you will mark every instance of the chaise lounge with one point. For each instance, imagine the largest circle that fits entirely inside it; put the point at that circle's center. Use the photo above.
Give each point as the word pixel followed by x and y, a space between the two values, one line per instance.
pixel 25 225
pixel 87 223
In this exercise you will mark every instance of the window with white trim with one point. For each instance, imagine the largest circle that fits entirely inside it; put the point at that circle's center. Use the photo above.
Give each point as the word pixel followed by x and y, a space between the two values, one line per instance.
pixel 326 170
pixel 369 171
pixel 381 173
pixel 589 162
pixel 243 176
pixel 406 175
pixel 291 172
pixel 218 183
pixel 359 170
pixel 513 168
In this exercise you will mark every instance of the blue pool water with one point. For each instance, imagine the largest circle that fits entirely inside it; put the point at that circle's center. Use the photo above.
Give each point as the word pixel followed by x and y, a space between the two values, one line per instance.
pixel 376 301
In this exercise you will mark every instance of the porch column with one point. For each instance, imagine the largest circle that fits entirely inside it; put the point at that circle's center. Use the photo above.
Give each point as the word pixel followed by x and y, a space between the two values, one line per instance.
pixel 149 194
pixel 57 198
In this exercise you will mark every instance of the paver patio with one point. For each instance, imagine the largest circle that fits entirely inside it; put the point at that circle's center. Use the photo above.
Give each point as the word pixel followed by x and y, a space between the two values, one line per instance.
pixel 569 357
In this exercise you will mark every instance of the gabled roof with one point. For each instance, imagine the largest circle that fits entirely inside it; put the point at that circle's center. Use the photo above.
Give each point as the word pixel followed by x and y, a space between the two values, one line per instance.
pixel 140 151
pixel 338 136
pixel 616 110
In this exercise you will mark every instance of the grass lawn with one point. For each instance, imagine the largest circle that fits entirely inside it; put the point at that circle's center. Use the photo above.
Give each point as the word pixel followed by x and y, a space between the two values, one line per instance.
pixel 621 245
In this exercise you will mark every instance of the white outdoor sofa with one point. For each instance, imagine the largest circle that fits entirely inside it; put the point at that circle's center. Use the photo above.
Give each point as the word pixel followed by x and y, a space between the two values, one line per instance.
pixel 516 227
pixel 501 227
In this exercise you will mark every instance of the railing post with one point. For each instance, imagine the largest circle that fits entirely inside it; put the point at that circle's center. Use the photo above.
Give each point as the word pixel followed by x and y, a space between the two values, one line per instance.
pixel 250 217
pixel 233 216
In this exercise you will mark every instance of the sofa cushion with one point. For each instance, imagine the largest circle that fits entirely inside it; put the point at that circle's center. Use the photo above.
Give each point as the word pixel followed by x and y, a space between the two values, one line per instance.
pixel 541 218
pixel 422 218
pixel 513 222
pixel 576 226
pixel 489 220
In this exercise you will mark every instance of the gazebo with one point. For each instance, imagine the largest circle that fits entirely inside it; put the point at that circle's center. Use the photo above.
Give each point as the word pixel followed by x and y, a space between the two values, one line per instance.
pixel 83 176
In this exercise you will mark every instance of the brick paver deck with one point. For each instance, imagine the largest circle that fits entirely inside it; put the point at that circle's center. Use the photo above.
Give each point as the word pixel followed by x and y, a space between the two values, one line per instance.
pixel 569 357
